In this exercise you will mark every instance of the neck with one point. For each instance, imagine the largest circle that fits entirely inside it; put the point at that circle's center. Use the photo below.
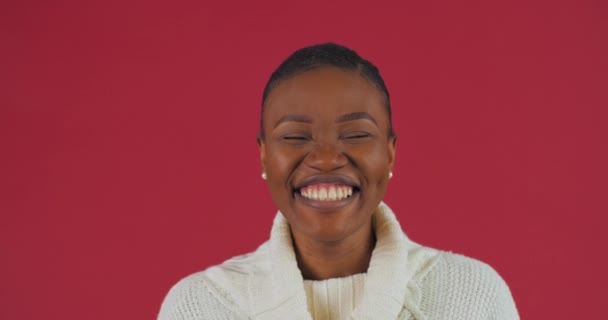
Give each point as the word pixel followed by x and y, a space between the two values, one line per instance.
pixel 321 260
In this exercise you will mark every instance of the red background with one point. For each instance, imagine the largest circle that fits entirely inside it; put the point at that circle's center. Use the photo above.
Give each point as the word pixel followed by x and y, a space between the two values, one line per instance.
pixel 128 154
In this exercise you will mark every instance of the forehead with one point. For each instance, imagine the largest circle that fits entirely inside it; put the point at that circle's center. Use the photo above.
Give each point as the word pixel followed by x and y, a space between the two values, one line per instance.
pixel 324 91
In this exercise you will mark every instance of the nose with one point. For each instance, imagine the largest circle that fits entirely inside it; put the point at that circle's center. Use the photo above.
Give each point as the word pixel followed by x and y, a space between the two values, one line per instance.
pixel 326 157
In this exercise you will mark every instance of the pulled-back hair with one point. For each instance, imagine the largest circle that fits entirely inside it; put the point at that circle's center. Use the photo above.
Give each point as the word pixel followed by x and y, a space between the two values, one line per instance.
pixel 321 55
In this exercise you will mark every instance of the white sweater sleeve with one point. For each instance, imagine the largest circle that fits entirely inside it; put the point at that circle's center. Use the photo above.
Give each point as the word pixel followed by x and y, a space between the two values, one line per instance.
pixel 195 298
pixel 461 288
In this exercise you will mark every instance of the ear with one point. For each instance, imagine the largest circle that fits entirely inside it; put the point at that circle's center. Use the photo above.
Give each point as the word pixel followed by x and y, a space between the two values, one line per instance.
pixel 262 148
pixel 392 147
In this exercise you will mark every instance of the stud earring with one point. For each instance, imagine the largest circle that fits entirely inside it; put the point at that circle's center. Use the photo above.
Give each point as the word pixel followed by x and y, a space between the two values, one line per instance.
pixel 264 176
pixel 390 174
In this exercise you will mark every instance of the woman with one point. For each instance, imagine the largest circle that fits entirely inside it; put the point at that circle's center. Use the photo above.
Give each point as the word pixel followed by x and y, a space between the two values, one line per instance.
pixel 336 251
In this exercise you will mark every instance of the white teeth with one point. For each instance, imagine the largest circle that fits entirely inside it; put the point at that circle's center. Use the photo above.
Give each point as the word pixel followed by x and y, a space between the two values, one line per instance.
pixel 326 193
pixel 323 194
pixel 331 195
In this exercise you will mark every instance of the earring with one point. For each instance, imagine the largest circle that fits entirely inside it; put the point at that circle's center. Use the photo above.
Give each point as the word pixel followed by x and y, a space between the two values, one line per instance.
pixel 264 176
pixel 390 174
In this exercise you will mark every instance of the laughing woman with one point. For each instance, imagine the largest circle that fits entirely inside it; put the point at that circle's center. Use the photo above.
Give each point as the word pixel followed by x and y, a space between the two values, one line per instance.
pixel 336 251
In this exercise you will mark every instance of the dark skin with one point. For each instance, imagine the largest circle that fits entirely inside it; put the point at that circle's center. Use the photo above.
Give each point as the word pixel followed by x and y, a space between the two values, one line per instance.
pixel 328 126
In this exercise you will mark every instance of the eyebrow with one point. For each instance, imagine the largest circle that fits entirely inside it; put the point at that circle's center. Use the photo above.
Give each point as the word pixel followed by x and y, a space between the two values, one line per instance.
pixel 356 116
pixel 293 118
pixel 342 118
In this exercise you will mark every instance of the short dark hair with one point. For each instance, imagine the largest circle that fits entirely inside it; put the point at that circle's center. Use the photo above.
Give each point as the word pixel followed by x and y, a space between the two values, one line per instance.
pixel 326 54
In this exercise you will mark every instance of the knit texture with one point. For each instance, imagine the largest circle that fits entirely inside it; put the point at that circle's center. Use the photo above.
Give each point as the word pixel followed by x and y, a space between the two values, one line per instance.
pixel 404 281
pixel 334 299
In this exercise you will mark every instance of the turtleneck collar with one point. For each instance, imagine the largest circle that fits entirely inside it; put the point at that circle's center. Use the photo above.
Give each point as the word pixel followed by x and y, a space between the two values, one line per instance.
pixel 281 290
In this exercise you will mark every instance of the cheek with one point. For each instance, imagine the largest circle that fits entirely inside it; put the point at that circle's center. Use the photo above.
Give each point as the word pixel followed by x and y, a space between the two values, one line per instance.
pixel 278 163
pixel 281 163
pixel 373 161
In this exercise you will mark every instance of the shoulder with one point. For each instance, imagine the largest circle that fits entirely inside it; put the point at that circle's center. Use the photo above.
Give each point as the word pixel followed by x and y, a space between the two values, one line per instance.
pixel 219 292
pixel 459 287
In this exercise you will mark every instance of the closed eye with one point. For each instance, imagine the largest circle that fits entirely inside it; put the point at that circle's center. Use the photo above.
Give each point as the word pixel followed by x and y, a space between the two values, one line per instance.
pixel 295 139
pixel 356 135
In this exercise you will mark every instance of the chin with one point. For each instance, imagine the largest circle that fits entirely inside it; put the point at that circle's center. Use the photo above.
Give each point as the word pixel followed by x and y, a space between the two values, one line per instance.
pixel 328 226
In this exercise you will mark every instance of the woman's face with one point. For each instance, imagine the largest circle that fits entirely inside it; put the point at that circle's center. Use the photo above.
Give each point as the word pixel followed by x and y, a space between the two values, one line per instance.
pixel 326 152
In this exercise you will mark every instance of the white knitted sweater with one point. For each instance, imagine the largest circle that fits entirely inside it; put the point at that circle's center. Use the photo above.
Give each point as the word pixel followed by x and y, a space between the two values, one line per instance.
pixel 404 281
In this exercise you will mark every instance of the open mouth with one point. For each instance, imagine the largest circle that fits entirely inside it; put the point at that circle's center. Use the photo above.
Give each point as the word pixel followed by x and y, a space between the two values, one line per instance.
pixel 327 191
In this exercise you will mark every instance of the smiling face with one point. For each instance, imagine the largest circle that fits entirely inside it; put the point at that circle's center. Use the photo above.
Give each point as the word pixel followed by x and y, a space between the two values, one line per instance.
pixel 327 152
